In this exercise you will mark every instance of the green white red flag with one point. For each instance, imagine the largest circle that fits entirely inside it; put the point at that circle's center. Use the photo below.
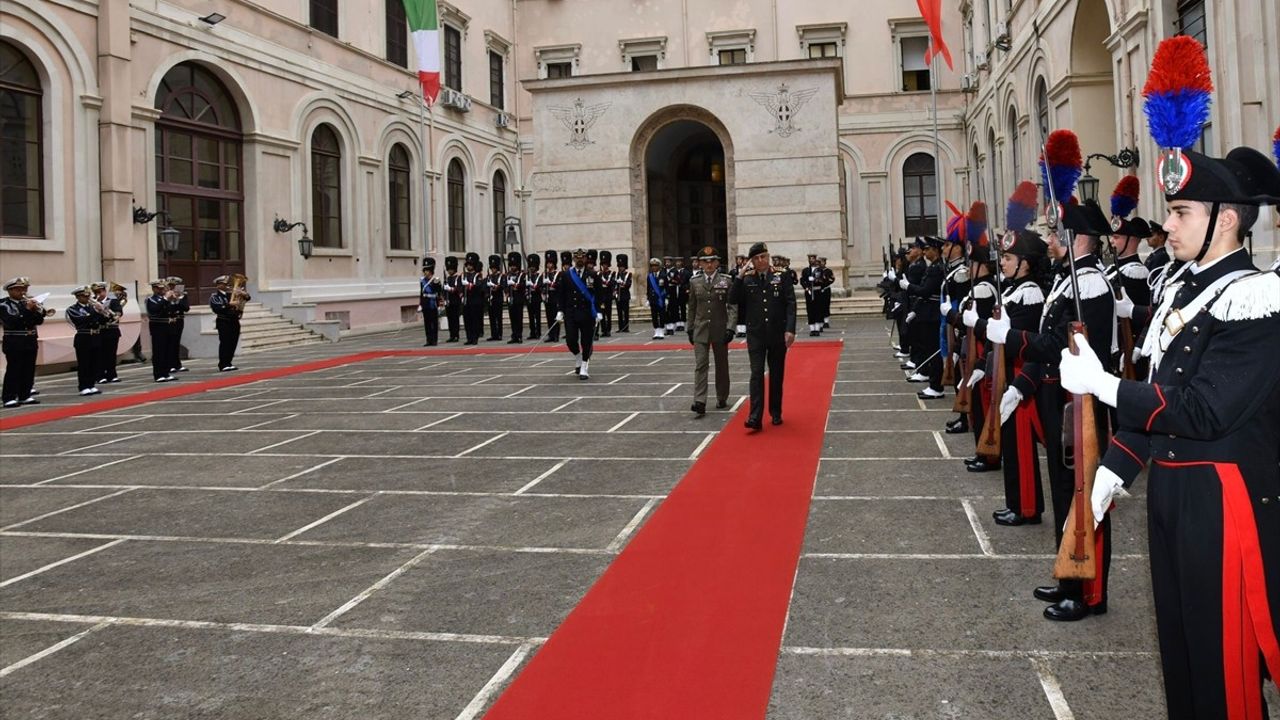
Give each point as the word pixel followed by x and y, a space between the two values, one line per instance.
pixel 424 28
pixel 931 11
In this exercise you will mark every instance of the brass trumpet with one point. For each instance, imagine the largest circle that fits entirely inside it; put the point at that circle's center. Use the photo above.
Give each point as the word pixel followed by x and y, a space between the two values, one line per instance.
pixel 37 306
pixel 120 292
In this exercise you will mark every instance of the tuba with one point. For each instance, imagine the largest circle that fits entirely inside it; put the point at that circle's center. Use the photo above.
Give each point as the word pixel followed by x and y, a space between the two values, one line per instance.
pixel 120 292
pixel 239 296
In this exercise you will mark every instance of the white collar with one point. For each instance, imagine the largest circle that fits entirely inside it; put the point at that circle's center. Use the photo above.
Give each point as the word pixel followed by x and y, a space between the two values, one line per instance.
pixel 1197 268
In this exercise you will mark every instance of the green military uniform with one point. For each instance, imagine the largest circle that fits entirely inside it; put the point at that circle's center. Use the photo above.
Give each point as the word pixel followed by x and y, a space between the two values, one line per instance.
pixel 711 317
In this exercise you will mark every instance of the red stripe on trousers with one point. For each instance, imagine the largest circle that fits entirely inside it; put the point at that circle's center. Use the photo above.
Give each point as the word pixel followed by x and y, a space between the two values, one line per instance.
pixel 1025 417
pixel 1094 588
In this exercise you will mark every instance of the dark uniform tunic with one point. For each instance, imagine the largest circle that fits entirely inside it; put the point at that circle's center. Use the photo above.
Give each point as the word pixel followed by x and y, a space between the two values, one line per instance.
pixel 578 303
pixel 767 303
pixel 474 301
pixel 514 285
pixel 227 321
pixel 533 301
pixel 604 300
pixel 496 288
pixel 453 305
pixel 109 339
pixel 21 345
pixel 1209 422
pixel 1019 445
pixel 88 323
pixel 924 296
pixel 163 316
pixel 623 294
pixel 976 349
pixel 550 280
pixel 955 286
pixel 656 292
pixel 431 294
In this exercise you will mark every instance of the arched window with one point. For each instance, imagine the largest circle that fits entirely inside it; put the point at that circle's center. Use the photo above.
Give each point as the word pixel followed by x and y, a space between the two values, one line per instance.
pixel 499 212
pixel 398 195
pixel 992 190
pixel 1042 109
pixel 920 195
pixel 1015 150
pixel 457 207
pixel 21 150
pixel 326 187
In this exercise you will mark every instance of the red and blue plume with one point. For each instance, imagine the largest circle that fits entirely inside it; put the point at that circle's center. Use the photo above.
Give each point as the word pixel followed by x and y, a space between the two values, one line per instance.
pixel 955 225
pixel 1178 92
pixel 1061 164
pixel 1275 146
pixel 1021 210
pixel 975 222
pixel 1124 199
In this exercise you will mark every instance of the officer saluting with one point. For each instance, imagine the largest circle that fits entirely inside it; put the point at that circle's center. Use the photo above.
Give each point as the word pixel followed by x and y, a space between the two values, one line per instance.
pixel 768 302
pixel 711 323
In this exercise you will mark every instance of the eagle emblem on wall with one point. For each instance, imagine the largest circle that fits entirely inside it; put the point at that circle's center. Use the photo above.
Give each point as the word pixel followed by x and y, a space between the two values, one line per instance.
pixel 784 105
pixel 578 121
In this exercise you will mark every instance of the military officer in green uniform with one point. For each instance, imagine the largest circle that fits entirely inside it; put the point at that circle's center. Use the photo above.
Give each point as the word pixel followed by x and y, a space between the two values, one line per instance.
pixel 711 318
pixel 768 302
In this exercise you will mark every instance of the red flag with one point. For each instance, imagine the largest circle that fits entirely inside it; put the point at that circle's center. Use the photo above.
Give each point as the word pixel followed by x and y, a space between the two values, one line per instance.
pixel 931 11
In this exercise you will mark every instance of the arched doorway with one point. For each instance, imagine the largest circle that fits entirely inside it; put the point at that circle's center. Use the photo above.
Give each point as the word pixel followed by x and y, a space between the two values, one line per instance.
pixel 682 185
pixel 199 177
pixel 1092 89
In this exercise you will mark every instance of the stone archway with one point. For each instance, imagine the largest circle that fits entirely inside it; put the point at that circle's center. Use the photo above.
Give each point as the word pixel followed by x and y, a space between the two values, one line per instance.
pixel 1091 88
pixel 677 203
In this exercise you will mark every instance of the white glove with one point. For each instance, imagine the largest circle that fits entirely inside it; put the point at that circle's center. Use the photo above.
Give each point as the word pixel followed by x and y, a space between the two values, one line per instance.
pixel 911 316
pixel 1137 354
pixel 1009 402
pixel 1107 486
pixel 970 317
pixel 599 317
pixel 944 307
pixel 1084 373
pixel 1124 306
pixel 976 377
pixel 998 329
pixel 890 274
pixel 896 306
pixel 559 317
pixel 466 284
pixel 904 284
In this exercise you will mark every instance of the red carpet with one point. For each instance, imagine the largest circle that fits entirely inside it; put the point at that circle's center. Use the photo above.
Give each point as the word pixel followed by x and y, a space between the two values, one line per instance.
pixel 688 620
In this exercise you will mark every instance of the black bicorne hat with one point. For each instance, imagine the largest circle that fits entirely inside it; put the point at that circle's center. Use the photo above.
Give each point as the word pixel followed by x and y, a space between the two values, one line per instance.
pixel 1134 227
pixel 1086 219
pixel 1258 176
pixel 1188 175
pixel 1024 244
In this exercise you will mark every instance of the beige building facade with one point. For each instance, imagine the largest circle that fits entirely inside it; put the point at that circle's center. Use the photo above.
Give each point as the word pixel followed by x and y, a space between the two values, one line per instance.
pixel 648 128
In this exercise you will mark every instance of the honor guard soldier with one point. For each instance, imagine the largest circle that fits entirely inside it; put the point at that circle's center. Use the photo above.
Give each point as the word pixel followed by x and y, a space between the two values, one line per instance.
pixel 495 288
pixel 474 299
pixel 808 281
pixel 88 318
pixel 680 275
pixel 826 278
pixel 514 285
pixel 608 286
pixel 431 294
pixel 768 302
pixel 20 315
pixel 577 291
pixel 550 278
pixel 1207 425
pixel 914 273
pixel 656 294
pixel 955 286
pixel 976 311
pixel 924 297
pixel 183 306
pixel 228 307
pixel 790 272
pixel 533 294
pixel 622 293
pixel 711 321
pixel 452 298
pixel 109 339
pixel 162 318
pixel 1071 599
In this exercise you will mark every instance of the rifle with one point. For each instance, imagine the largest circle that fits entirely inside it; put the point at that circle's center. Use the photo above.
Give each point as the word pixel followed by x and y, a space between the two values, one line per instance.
pixel 1124 326
pixel 1075 559
pixel 964 394
pixel 989 438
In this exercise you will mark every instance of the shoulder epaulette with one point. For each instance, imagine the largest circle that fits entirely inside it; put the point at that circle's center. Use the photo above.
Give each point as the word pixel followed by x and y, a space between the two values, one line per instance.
pixel 1135 271
pixel 1251 297
pixel 1027 294
pixel 983 290
pixel 1092 284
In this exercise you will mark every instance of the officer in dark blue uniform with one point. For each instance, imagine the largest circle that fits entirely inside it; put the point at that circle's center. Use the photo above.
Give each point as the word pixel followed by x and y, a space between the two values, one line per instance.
pixel 88 319
pixel 20 316
pixel 577 290
pixel 452 297
pixel 767 301
pixel 608 286
pixel 109 338
pixel 430 294
pixel 163 313
pixel 228 313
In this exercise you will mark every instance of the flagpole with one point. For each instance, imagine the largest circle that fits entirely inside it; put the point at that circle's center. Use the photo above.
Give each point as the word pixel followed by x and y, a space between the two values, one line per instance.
pixel 937 158
pixel 428 239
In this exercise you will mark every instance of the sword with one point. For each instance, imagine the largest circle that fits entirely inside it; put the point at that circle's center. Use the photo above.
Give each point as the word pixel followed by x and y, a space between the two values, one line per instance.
pixel 529 352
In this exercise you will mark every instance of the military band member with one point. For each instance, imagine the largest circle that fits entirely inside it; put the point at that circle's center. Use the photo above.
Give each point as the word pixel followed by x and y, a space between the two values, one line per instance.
pixel 474 298
pixel 109 339
pixel 533 294
pixel 768 302
pixel 227 309
pixel 20 315
pixel 178 290
pixel 495 290
pixel 711 321
pixel 431 294
pixel 1071 599
pixel 622 294
pixel 88 318
pixel 608 287
pixel 577 291
pixel 452 297
pixel 656 293
pixel 163 311
pixel 1207 426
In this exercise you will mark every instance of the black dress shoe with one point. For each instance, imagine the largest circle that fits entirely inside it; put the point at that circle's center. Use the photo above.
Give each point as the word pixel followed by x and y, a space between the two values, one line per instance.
pixel 982 466
pixel 1010 518
pixel 722 404
pixel 512 341
pixel 972 459
pixel 752 424
pixel 1067 610
pixel 958 429
pixel 699 409
pixel 777 420
pixel 1049 593
pixel 451 340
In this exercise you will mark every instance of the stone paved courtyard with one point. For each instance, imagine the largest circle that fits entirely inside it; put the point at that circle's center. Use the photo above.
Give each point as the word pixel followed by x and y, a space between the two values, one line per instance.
pixel 395 538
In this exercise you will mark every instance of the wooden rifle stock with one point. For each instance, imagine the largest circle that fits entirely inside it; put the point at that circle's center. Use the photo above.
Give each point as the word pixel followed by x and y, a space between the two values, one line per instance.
pixel 964 393
pixel 989 439
pixel 1124 326
pixel 1076 556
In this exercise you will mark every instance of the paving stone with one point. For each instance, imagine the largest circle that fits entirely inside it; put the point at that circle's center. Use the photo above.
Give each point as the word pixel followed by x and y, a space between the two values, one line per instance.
pixel 29 470
pixel 511 522
pixel 713 421
pixel 916 686
pixel 20 555
pixel 23 504
pixel 192 407
pixel 615 477
pixel 185 441
pixel 889 420
pixel 481 593
pixel 902 444
pixel 875 401
pixel 362 421
pixel 1097 687
pixel 21 639
pixel 376 404
pixel 426 443
pixel 47 443
pixel 211 470
pixel 520 420
pixel 217 582
pixel 195 513
pixel 440 475
pixel 153 672
pixel 875 526
pixel 211 422
pixel 426 408
pixel 937 477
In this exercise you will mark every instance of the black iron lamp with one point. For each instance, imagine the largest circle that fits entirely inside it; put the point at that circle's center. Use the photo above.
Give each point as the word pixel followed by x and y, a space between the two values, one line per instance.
pixel 305 244
pixel 1126 158
pixel 168 234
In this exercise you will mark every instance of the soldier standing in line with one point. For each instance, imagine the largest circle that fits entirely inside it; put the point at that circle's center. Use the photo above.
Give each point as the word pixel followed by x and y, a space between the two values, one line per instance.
pixel 711 321
pixel 430 295
pixel 474 299
pixel 925 296
pixel 681 275
pixel 227 320
pixel 608 286
pixel 768 302
pixel 495 290
pixel 162 311
pixel 88 318
pixel 20 315
pixel 622 294
pixel 514 285
pixel 914 273
pixel 452 297
pixel 577 293
pixel 808 278
pixel 109 340
pixel 550 277
pixel 656 294
pixel 182 306
pixel 533 295
pixel 826 278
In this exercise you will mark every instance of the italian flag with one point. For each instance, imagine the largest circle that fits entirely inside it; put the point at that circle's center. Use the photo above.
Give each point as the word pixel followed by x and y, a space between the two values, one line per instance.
pixel 424 26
